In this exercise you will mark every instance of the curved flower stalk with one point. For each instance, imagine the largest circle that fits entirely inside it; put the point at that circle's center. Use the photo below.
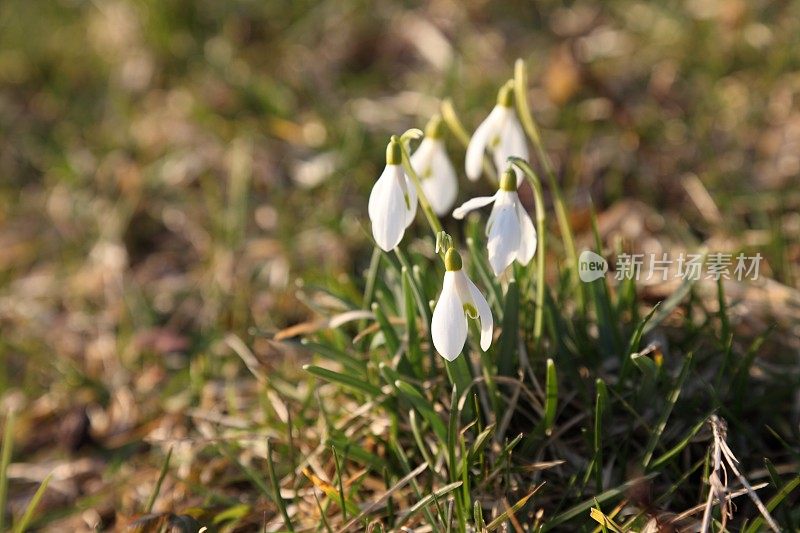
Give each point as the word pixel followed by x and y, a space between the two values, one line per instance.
pixel 510 231
pixel 501 133
pixel 460 299
pixel 393 200
pixel 434 168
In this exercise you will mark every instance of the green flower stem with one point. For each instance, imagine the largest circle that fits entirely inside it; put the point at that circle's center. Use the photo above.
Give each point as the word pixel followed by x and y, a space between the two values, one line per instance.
pixel 433 220
pixel 538 199
pixel 532 131
pixel 453 123
pixel 457 129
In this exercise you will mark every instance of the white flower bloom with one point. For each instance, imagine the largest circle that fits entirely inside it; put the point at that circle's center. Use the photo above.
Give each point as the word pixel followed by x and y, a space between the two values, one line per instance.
pixel 432 165
pixel 460 299
pixel 501 133
pixel 510 231
pixel 392 202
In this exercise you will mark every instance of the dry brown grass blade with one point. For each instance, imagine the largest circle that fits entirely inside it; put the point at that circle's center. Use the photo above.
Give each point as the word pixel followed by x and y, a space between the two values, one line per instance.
pixel 315 325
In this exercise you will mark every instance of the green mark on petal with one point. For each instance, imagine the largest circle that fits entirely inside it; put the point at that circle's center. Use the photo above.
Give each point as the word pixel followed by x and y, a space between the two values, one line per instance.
pixel 470 311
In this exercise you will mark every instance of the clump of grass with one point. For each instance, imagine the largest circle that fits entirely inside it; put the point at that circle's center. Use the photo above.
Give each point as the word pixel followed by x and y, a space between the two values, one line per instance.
pixel 580 413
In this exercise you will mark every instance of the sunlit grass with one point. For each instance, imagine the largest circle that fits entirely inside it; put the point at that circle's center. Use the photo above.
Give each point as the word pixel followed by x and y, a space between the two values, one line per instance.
pixel 196 332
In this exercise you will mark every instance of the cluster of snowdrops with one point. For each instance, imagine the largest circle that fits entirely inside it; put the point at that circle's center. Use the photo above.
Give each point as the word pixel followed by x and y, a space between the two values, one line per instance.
pixel 429 179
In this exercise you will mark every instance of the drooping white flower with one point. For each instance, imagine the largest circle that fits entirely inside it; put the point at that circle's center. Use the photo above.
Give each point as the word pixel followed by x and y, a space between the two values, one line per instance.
pixel 460 300
pixel 501 133
pixel 393 201
pixel 434 168
pixel 509 230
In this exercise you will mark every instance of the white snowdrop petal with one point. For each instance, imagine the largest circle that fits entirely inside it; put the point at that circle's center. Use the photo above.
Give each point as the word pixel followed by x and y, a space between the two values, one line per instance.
pixel 479 141
pixel 504 236
pixel 512 143
pixel 484 313
pixel 502 198
pixel 471 205
pixel 411 208
pixel 441 187
pixel 422 158
pixel 387 209
pixel 449 324
pixel 528 238
pixel 460 280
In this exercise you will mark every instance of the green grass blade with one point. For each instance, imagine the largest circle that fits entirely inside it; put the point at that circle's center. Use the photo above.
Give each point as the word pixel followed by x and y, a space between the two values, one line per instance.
pixel 372 276
pixel 607 321
pixel 331 353
pixel 5 460
pixel 400 454
pixel 662 421
pixel 675 450
pixel 413 350
pixel 416 431
pixel 479 442
pixel 477 516
pixel 389 333
pixel 646 366
pixel 507 347
pixel 601 402
pixel 425 502
pixel 460 376
pixel 551 397
pixel 22 526
pixel 161 476
pixel 250 473
pixel 666 308
pixel 584 506
pixel 635 339
pixel 415 286
pixel 344 380
pixel 340 482
pixel 424 408
pixel 322 513
pixel 354 452
pixel 452 434
pixel 276 487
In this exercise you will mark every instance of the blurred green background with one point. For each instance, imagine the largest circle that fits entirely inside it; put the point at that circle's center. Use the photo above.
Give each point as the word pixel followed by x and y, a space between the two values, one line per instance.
pixel 169 170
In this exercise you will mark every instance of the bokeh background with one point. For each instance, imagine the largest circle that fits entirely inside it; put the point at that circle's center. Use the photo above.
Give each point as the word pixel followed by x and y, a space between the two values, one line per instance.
pixel 171 172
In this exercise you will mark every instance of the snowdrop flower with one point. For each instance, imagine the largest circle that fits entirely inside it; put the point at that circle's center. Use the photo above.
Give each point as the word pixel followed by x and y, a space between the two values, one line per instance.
pixel 432 165
pixel 393 200
pixel 501 134
pixel 460 299
pixel 510 232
